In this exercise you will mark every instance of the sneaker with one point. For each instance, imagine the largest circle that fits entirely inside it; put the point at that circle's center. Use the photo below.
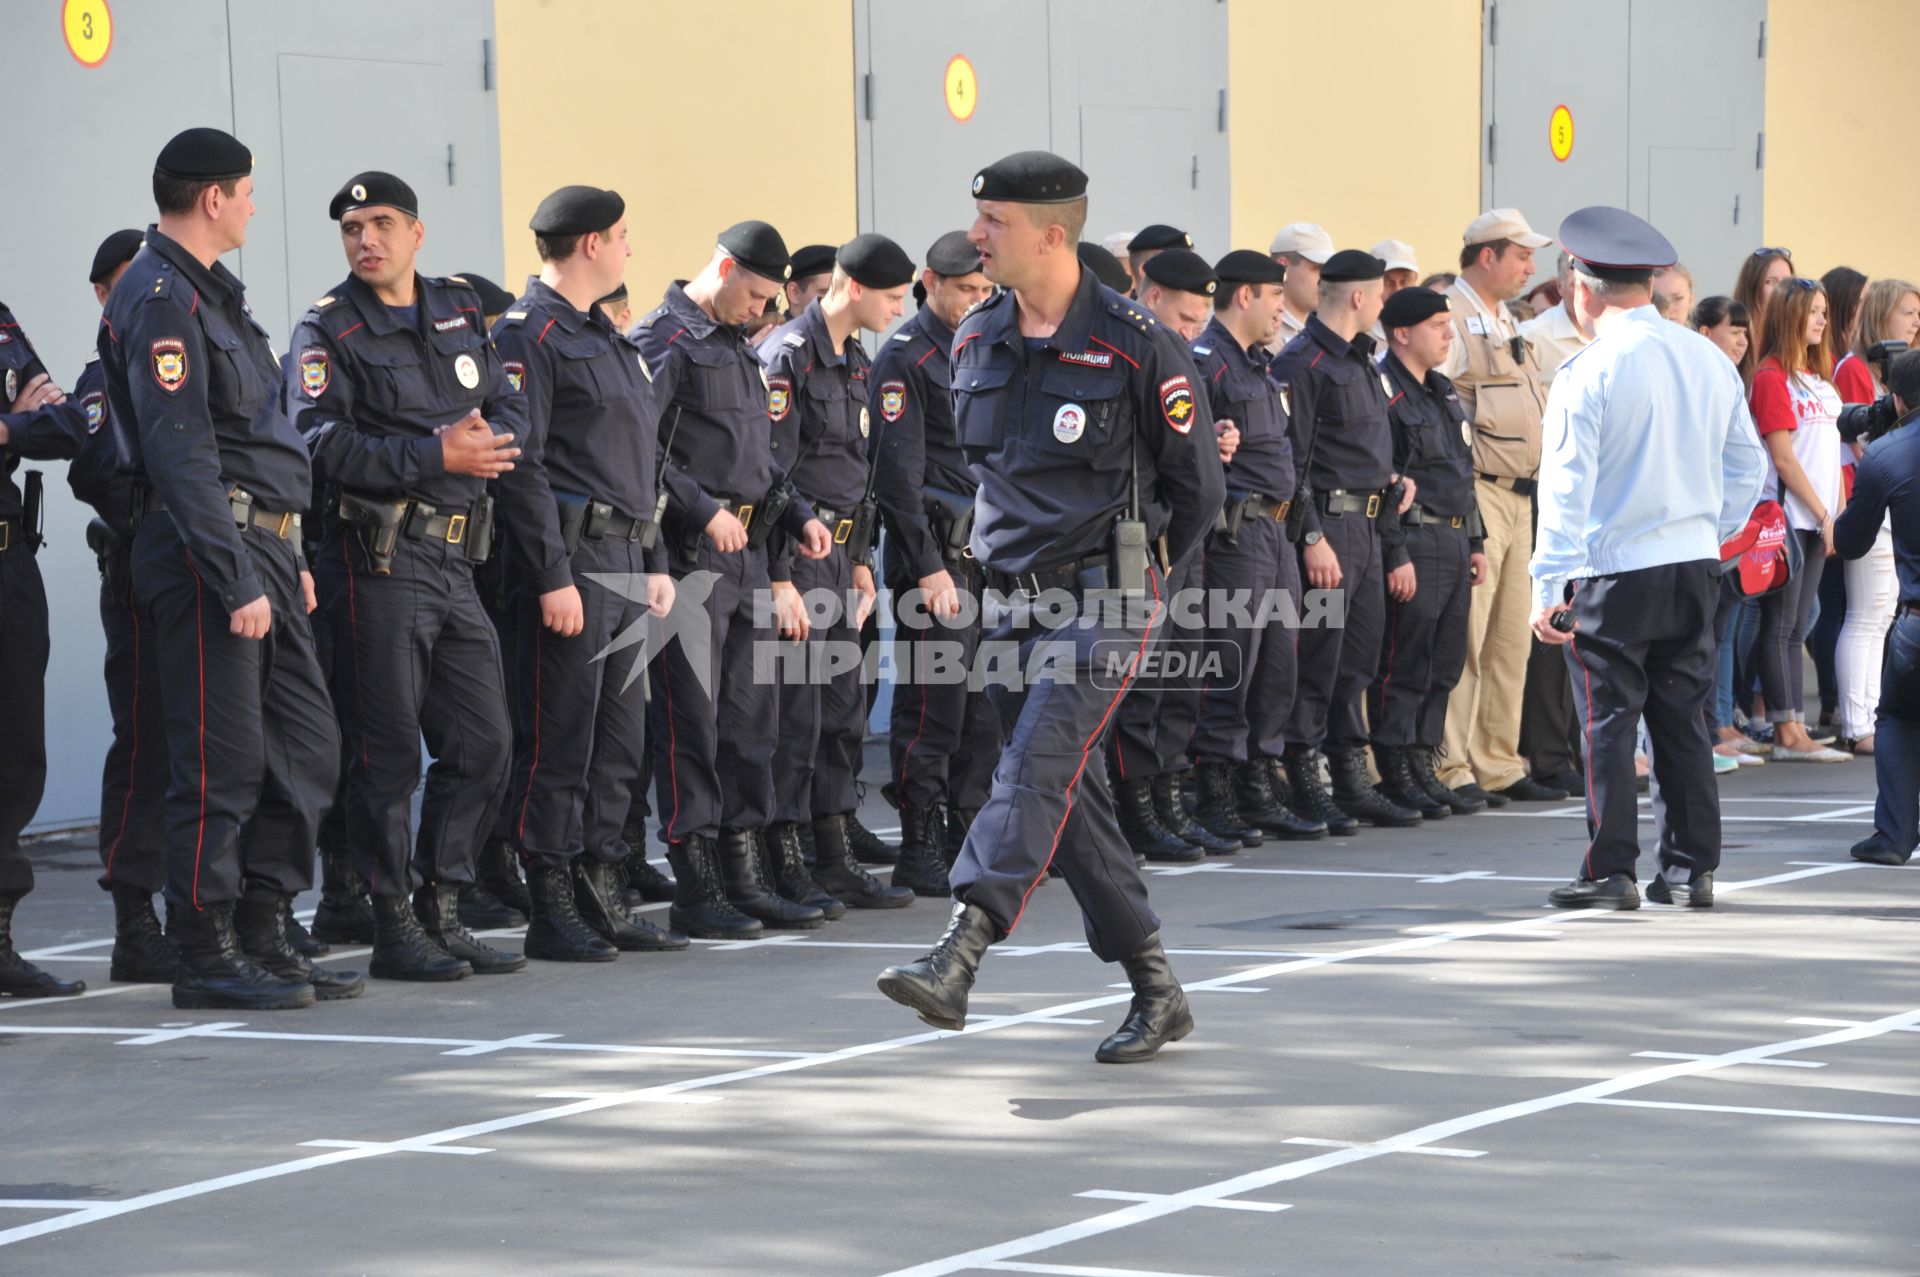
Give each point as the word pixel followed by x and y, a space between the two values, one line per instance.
pixel 1781 754
pixel 1722 764
pixel 1750 760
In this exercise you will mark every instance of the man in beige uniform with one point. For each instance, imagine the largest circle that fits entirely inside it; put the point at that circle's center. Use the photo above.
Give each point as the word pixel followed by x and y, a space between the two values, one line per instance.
pixel 1504 391
pixel 1553 334
pixel 1303 248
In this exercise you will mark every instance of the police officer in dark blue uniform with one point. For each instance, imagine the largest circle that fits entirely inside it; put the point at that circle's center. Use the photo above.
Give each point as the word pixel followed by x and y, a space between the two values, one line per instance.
pixel 1097 465
pixel 1433 568
pixel 193 399
pixel 1345 495
pixel 945 733
pixel 726 495
pixel 1146 243
pixel 818 400
pixel 588 573
pixel 1241 729
pixel 406 411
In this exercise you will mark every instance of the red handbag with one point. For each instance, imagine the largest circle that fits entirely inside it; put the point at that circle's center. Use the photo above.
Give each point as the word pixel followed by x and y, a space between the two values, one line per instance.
pixel 1762 556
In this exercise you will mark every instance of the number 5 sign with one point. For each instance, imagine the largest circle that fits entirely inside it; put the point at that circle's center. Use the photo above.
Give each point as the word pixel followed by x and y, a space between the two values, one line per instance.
pixel 1560 133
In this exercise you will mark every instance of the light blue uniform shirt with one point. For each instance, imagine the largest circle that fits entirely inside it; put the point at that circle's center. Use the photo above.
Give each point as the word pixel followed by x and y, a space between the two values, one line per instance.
pixel 1649 455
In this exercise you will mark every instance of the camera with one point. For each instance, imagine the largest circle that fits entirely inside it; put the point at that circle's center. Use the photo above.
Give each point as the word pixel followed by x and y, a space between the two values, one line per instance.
pixel 1865 422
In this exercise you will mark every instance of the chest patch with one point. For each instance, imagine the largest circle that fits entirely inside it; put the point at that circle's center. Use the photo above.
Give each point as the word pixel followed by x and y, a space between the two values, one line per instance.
pixel 1069 423
pixel 13 385
pixel 170 364
pixel 1176 403
pixel 1090 358
pixel 893 399
pixel 467 369
pixel 448 325
pixel 314 373
pixel 866 422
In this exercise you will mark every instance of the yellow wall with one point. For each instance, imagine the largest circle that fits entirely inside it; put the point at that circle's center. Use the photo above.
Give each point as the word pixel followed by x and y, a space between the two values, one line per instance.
pixel 1838 188
pixel 1301 117
pixel 679 107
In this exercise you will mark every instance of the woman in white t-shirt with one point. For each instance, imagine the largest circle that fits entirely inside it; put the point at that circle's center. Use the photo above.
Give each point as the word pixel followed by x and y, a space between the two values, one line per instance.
pixel 1794 408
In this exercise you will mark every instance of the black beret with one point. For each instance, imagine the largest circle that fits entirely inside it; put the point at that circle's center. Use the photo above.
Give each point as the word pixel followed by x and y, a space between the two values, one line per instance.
pixel 204 155
pixel 1350 264
pixel 1159 236
pixel 1410 306
pixel 874 261
pixel 494 300
pixel 366 189
pixel 953 254
pixel 1030 177
pixel 759 248
pixel 1182 269
pixel 1613 244
pixel 617 295
pixel 813 259
pixel 1105 266
pixel 115 250
pixel 1244 266
pixel 577 210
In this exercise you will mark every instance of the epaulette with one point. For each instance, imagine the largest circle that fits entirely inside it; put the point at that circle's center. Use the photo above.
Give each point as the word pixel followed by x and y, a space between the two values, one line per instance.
pixel 1203 350
pixel 325 302
pixel 652 317
pixel 795 340
pixel 904 336
pixel 513 317
pixel 455 279
pixel 93 356
pixel 1123 309
pixel 162 283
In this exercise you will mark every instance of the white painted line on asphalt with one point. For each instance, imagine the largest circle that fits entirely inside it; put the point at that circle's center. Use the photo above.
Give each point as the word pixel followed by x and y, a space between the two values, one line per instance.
pixel 1477 875
pixel 467 1046
pixel 397 1146
pixel 1115 1195
pixel 504 1044
pixel 174 1032
pixel 1253 1181
pixel 1430 1152
pixel 1836 813
pixel 44 1203
pixel 598 1095
pixel 1759 1112
pixel 1692 1055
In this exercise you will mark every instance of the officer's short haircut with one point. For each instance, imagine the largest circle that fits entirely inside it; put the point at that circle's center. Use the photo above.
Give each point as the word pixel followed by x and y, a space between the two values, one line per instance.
pixel 558 248
pixel 1070 217
pixel 1470 253
pixel 1903 378
pixel 176 195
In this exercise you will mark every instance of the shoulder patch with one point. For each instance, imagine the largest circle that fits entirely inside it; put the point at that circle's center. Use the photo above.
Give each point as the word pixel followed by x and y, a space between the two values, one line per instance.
pixel 779 396
pixel 893 400
pixel 314 371
pixel 1176 403
pixel 169 364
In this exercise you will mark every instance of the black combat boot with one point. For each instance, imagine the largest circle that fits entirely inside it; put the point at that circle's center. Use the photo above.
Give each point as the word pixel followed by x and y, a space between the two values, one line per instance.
pixel 643 877
pixel 215 975
pixel 787 869
pixel 935 986
pixel 1399 786
pixel 259 923
pixel 1173 813
pixel 302 940
pixel 597 900
pixel 141 952
pixel 1354 794
pixel 1260 807
pixel 1218 810
pixel 700 904
pixel 401 950
pixel 557 932
pixel 1158 1014
pixel 483 911
pixel 344 914
pixel 1420 765
pixel 441 908
pixel 1145 835
pixel 868 847
pixel 839 873
pixel 747 886
pixel 20 978
pixel 1310 799
pixel 498 873
pixel 923 863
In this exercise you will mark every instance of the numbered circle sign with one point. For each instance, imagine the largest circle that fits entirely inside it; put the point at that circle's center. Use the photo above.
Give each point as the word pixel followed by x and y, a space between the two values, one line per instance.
pixel 963 90
pixel 88 26
pixel 1560 133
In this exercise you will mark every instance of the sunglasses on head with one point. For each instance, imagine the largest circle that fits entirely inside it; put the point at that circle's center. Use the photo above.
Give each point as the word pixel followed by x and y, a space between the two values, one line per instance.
pixel 1798 281
pixel 1774 252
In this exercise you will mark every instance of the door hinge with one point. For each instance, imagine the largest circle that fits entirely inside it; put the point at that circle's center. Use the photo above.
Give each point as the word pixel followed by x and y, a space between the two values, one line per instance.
pixel 866 96
pixel 1196 173
pixel 1493 24
pixel 1220 124
pixel 1493 138
pixel 1760 151
pixel 449 164
pixel 486 66
pixel 1763 37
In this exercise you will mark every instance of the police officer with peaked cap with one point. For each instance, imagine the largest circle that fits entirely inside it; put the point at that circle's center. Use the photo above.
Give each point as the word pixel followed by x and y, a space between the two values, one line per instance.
pixel 1626 564
pixel 945 733
pixel 1345 503
pixel 726 493
pixel 819 401
pixel 1433 568
pixel 406 411
pixel 1148 243
pixel 1240 731
pixel 1064 391
pixel 587 577
pixel 194 401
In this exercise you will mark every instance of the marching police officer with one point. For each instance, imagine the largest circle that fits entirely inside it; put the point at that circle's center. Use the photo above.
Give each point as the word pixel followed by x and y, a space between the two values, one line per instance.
pixel 395 388
pixel 1431 572
pixel 1344 494
pixel 1079 416
pixel 818 400
pixel 945 733
pixel 1626 567
pixel 715 721
pixel 193 399
pixel 588 573
pixel 1240 734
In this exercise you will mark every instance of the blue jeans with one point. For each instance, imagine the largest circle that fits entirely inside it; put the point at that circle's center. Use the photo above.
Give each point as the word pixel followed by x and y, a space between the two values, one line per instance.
pixel 1896 740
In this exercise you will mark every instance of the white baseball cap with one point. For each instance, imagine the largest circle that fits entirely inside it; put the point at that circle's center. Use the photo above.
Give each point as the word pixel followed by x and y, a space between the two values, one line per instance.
pixel 1306 239
pixel 1397 254
pixel 1503 223
pixel 1116 243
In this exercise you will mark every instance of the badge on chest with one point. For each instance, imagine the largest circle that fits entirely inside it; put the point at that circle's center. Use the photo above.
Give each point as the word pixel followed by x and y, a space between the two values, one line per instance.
pixel 1069 423
pixel 467 369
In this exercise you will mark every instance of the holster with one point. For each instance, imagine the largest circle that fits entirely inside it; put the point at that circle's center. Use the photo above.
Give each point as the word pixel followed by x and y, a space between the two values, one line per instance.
pixel 114 555
pixel 573 519
pixel 376 523
pixel 1232 515
pixel 866 525
pixel 1389 515
pixel 767 514
pixel 1130 556
pixel 479 542
pixel 33 509
pixel 951 516
pixel 1297 513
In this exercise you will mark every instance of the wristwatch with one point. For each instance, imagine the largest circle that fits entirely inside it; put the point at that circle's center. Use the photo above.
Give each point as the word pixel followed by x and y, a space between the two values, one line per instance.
pixel 1312 538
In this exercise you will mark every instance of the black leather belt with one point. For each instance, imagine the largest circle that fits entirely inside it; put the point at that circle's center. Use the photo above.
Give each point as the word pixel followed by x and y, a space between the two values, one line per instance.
pixel 1519 487
pixel 1419 516
pixel 12 534
pixel 284 525
pixel 1341 501
pixel 841 527
pixel 617 527
pixel 1089 573
pixel 741 510
pixel 1259 505
pixel 451 528
pixel 1910 606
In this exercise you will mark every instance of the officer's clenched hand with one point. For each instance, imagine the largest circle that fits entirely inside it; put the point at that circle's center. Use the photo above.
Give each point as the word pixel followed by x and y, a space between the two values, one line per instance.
pixel 306 591
pixel 725 532
pixel 1323 567
pixel 38 393
pixel 252 620
pixel 1400 583
pixel 561 611
pixel 470 447
pixel 1406 498
pixel 815 541
pixel 1477 568
pixel 1543 625
pixel 863 582
pixel 1228 436
pixel 938 595
pixel 790 611
pixel 659 593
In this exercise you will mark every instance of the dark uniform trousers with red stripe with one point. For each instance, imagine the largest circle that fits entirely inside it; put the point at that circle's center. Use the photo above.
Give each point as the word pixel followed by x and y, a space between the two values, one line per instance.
pixel 133 783
pixel 823 717
pixel 254 748
pixel 1244 707
pixel 715 729
pixel 24 647
pixel 581 725
pixel 413 654
pixel 945 731
pixel 1051 803
pixel 1426 643
pixel 1337 663
pixel 1153 728
pixel 1644 644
